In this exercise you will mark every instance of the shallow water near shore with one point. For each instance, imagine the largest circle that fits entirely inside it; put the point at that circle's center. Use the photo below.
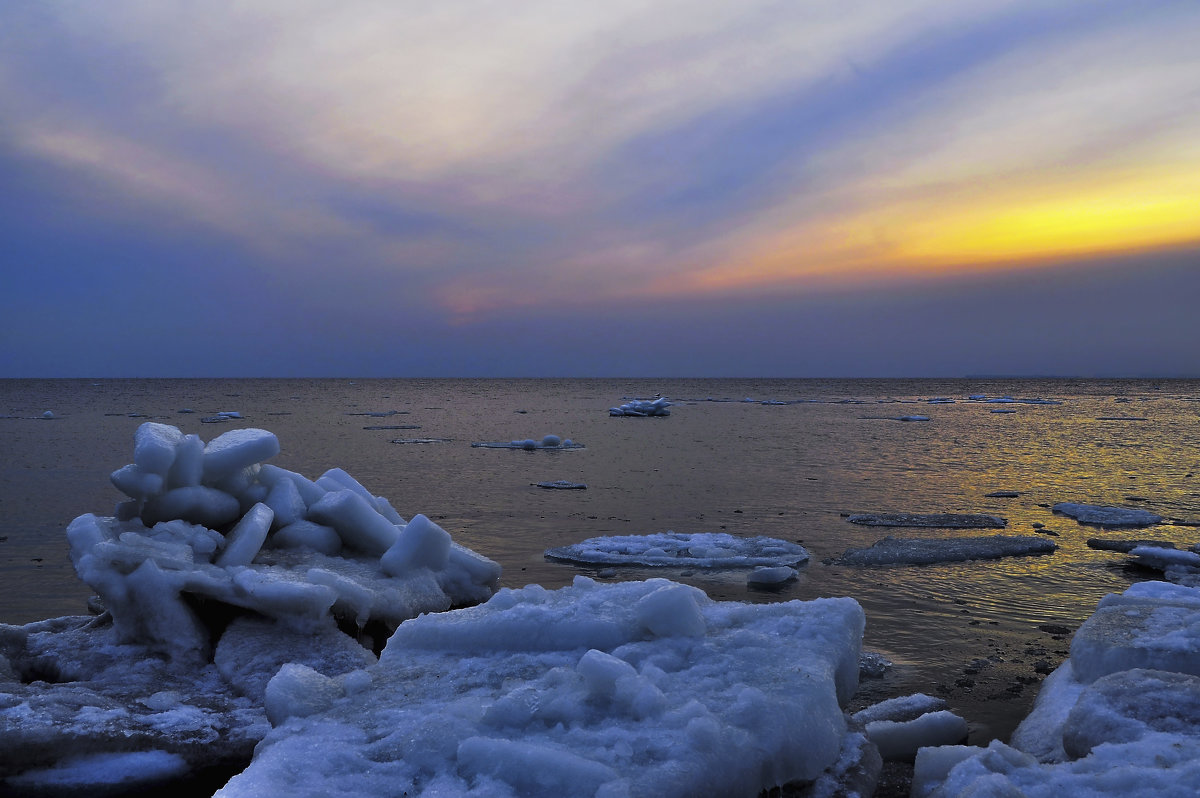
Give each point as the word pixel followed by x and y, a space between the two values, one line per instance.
pixel 982 634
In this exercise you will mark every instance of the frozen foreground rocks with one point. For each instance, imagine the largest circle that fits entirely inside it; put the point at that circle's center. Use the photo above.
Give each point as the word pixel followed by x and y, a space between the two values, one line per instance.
pixel 1121 717
pixel 630 689
pixel 217 572
pixel 213 525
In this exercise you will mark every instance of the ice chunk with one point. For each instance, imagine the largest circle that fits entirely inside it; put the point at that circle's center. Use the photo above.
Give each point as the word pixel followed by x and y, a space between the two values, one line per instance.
pixel 1163 558
pixel 356 521
pixel 1126 706
pixel 198 504
pixel 298 691
pixel 547 693
pixel 899 740
pixel 930 520
pixel 1107 516
pixel 1152 633
pixel 237 449
pixel 421 544
pixel 154 447
pixel 904 708
pixel 337 479
pixel 672 610
pixel 247 537
pixel 306 534
pixel 562 484
pixel 1040 733
pixel 136 483
pixel 252 650
pixel 771 576
pixel 642 408
pixel 916 551
pixel 697 550
pixel 310 492
pixel 188 467
pixel 286 503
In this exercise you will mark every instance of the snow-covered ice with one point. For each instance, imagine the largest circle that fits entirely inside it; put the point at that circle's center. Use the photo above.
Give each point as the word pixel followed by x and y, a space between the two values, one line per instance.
pixel 1120 717
pixel 930 520
pixel 219 570
pixel 643 408
pixel 1098 515
pixel 693 550
pixel 919 551
pixel 551 442
pixel 636 688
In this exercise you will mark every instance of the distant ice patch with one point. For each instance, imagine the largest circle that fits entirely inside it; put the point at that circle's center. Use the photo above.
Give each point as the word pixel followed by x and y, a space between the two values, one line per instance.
pixel 643 407
pixel 912 551
pixel 695 550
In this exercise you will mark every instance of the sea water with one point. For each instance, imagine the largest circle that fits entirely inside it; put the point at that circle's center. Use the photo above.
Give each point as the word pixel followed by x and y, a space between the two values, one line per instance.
pixel 783 458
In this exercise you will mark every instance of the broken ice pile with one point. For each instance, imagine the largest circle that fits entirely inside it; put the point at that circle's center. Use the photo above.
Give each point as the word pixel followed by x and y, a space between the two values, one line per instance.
pixel 213 523
pixel 642 408
pixel 1121 717
pixel 635 688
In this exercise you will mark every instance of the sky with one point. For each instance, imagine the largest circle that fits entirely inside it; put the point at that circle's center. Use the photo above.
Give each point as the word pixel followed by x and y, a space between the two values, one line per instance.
pixel 641 188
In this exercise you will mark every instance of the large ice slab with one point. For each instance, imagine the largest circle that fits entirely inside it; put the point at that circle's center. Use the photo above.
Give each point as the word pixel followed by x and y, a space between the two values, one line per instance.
pixel 918 551
pixel 1115 517
pixel 638 688
pixel 930 520
pixel 695 550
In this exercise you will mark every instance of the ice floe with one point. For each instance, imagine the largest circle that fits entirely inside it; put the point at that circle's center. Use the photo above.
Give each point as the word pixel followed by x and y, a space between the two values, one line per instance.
pixel 923 551
pixel 1098 515
pixel 643 408
pixel 561 484
pixel 929 520
pixel 636 688
pixel 552 442
pixel 694 550
pixel 1120 717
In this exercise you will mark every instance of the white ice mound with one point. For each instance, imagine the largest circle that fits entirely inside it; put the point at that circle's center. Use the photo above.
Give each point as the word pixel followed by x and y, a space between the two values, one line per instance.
pixel 643 407
pixel 553 442
pixel 917 551
pixel 1121 717
pixel 637 688
pixel 211 526
pixel 1098 515
pixel 696 550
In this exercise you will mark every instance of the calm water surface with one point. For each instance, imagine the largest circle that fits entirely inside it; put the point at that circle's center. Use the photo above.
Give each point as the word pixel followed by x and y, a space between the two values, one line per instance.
pixel 968 631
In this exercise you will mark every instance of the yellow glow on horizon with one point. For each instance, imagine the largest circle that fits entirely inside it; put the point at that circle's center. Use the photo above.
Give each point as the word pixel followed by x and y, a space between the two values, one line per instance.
pixel 985 225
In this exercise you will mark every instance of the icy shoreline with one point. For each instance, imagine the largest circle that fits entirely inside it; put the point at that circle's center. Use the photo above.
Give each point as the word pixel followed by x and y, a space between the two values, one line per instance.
pixel 226 627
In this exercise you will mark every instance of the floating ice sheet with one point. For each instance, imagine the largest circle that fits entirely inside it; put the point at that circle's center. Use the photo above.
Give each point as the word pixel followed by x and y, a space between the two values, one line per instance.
pixel 552 442
pixel 696 550
pixel 1098 515
pixel 930 520
pixel 914 551
pixel 637 688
